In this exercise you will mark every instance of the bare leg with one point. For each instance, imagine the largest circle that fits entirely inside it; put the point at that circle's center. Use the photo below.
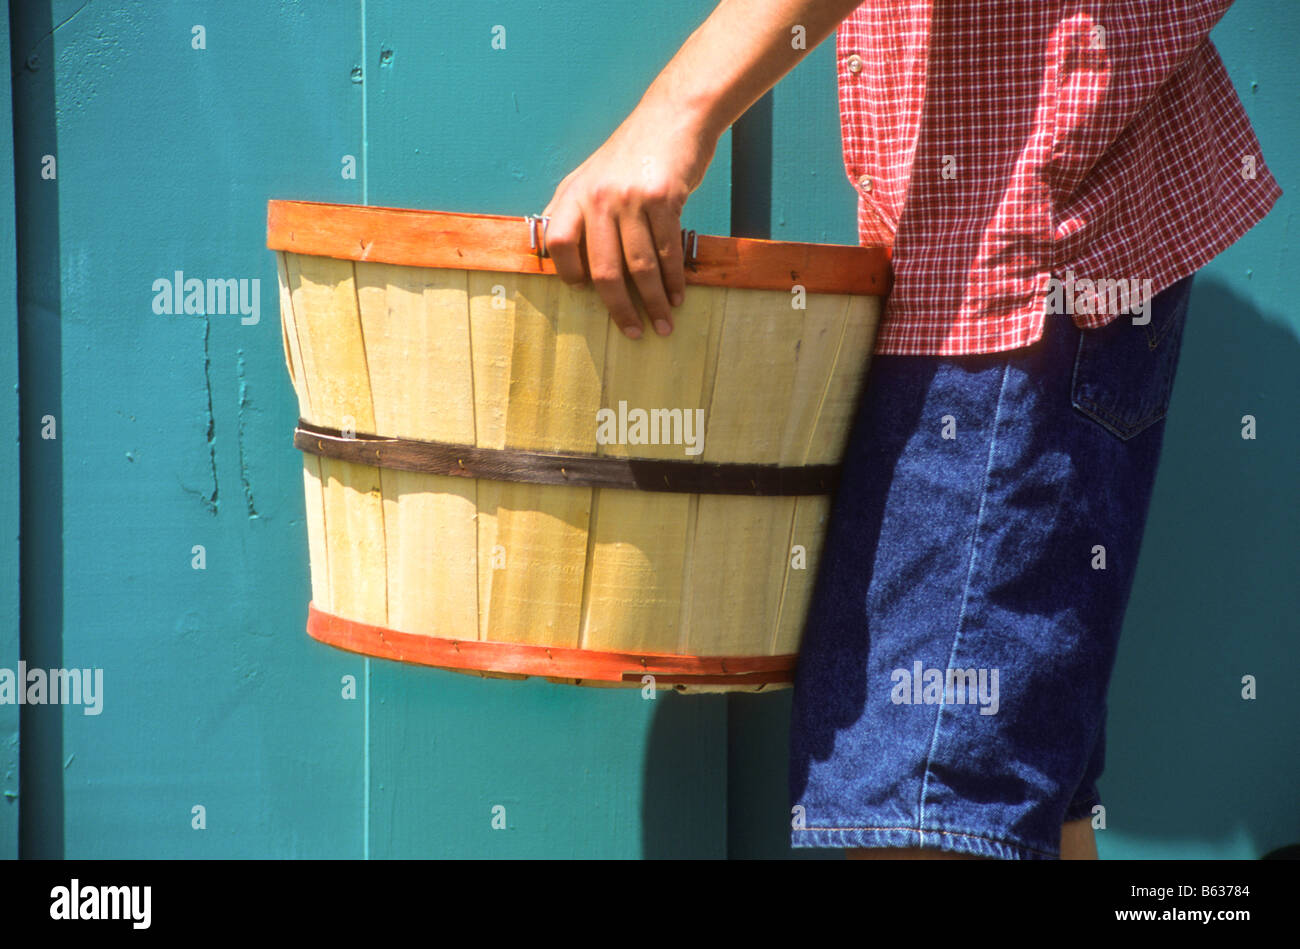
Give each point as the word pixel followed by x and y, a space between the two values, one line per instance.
pixel 1077 843
pixel 1077 840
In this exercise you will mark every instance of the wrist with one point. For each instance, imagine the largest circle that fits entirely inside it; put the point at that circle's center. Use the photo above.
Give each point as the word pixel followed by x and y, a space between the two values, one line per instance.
pixel 674 110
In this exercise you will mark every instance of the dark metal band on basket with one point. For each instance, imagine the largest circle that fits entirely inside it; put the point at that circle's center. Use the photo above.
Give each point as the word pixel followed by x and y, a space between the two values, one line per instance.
pixel 579 470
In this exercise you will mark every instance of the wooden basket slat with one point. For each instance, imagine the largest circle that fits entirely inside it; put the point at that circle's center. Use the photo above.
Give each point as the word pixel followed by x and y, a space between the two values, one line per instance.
pixel 552 381
pixel 330 341
pixel 838 335
pixel 313 484
pixel 314 493
pixel 636 576
pixel 707 616
pixel 416 329
pixel 556 363
pixel 289 329
pixel 354 540
pixel 810 519
pixel 840 403
pixel 415 324
pixel 820 336
pixel 638 541
pixel 753 384
pixel 333 353
pixel 754 378
pixel 739 569
pixel 431 544
pixel 541 532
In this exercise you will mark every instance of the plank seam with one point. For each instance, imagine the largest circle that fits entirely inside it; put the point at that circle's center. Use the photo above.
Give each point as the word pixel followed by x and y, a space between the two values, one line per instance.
pixel 803 459
pixel 365 361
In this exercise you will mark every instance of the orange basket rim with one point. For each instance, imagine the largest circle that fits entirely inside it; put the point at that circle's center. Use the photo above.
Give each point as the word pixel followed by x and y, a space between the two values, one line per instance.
pixel 514 244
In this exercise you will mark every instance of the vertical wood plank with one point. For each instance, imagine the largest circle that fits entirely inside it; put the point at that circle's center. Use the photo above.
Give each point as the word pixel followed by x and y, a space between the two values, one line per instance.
pixel 538 349
pixel 844 392
pixel 289 332
pixel 745 536
pixel 838 335
pixel 815 353
pixel 416 327
pixel 333 349
pixel 639 538
pixel 415 323
pixel 314 491
pixel 354 541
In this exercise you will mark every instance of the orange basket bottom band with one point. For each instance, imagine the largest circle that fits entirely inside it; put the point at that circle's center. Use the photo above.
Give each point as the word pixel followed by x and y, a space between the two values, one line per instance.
pixel 550 661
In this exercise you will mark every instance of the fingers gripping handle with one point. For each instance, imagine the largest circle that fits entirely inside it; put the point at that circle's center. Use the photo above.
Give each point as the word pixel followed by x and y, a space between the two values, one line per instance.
pixel 537 243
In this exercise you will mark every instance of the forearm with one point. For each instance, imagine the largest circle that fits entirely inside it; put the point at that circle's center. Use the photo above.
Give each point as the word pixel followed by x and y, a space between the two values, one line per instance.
pixel 740 52
pixel 618 214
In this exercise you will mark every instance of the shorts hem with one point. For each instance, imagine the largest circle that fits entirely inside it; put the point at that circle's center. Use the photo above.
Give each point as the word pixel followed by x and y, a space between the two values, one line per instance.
pixel 945 840
pixel 1081 810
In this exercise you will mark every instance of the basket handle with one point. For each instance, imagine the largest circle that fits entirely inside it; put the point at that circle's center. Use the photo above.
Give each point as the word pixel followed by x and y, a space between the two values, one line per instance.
pixel 690 240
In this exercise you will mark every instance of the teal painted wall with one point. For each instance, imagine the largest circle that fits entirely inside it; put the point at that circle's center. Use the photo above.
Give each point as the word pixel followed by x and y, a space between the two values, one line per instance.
pixel 175 432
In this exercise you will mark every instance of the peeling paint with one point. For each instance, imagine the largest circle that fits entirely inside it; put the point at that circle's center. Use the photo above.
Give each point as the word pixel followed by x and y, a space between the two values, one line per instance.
pixel 213 501
pixel 239 434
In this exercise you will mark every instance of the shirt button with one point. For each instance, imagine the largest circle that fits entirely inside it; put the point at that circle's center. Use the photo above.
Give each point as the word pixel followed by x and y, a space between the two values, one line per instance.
pixel 865 182
pixel 855 63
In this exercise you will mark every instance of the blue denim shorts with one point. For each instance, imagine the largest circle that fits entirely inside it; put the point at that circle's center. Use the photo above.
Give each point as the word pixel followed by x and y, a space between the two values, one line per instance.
pixel 952 680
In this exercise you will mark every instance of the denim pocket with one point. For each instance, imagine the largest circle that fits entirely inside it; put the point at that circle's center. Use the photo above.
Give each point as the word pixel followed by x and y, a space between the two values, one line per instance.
pixel 1124 374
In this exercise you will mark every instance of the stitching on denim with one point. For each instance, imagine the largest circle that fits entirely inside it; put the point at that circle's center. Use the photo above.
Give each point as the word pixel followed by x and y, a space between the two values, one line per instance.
pixel 944 833
pixel 1116 425
pixel 1180 303
pixel 1171 316
pixel 1108 421
pixel 965 598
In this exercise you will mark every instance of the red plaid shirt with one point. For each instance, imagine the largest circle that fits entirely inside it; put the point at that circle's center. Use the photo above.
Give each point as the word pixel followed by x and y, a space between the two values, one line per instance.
pixel 1007 147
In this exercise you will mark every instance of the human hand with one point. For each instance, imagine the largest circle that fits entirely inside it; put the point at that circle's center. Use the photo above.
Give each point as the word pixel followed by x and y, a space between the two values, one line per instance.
pixel 618 215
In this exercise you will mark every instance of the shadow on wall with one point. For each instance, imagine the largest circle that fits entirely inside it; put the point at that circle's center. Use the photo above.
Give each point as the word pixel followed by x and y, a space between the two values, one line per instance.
pixel 683 804
pixel 1192 767
pixel 40 394
pixel 738 809
pixel 717 792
